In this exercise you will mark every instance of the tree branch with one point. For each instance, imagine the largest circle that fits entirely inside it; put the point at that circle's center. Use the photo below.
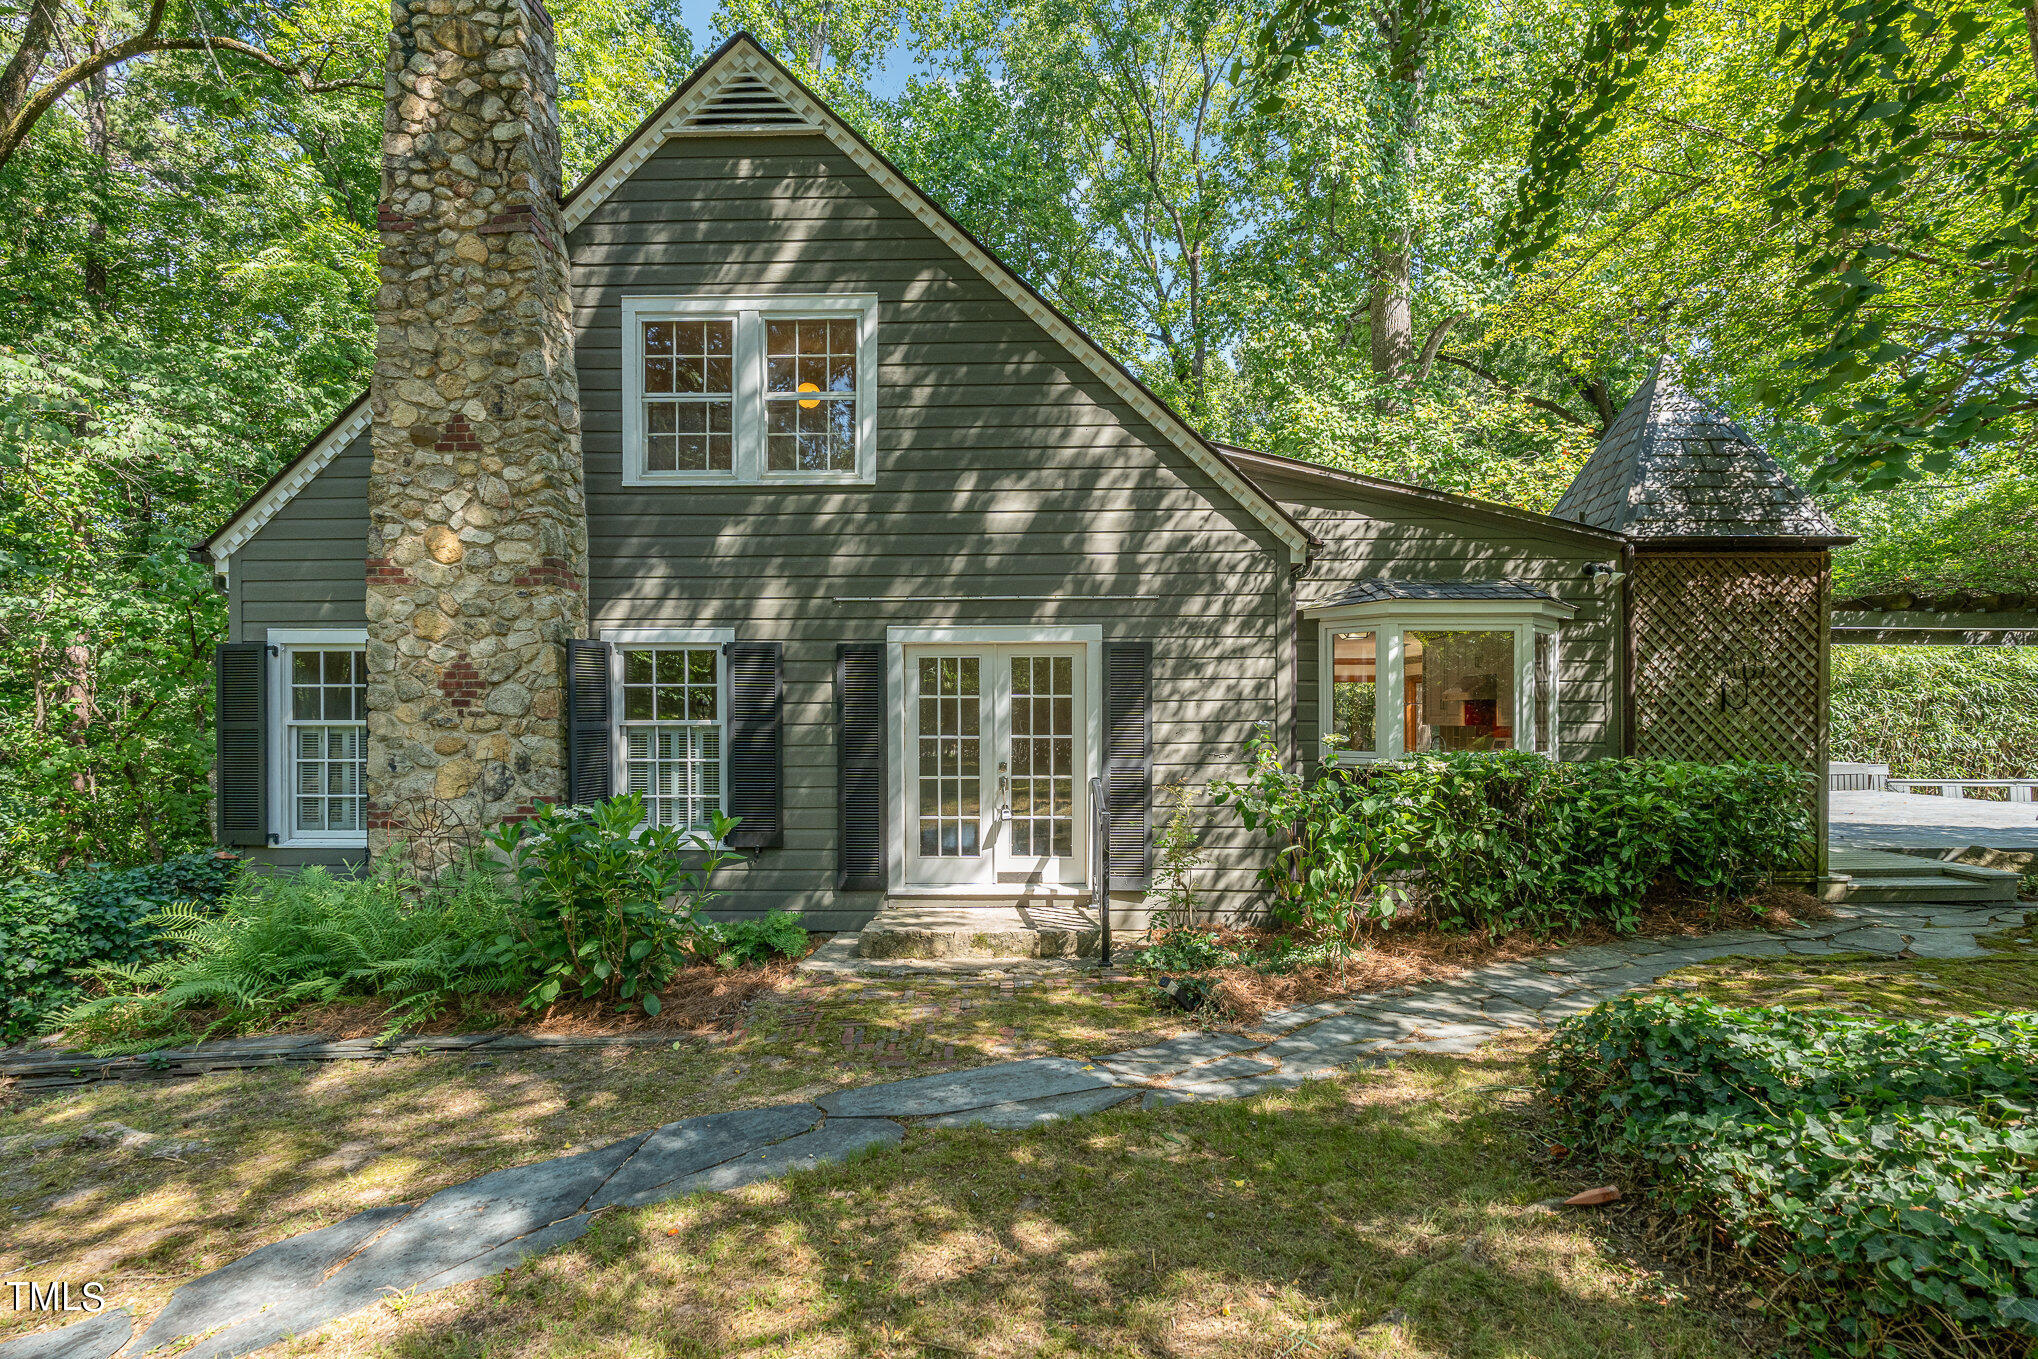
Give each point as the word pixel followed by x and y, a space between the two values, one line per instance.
pixel 1509 389
pixel 21 117
pixel 1435 342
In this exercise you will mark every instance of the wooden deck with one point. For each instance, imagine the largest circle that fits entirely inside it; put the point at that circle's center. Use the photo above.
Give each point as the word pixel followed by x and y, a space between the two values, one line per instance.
pixel 1913 821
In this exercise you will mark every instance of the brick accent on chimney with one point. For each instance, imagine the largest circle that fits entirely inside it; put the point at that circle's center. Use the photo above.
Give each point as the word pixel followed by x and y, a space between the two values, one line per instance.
pixel 477 538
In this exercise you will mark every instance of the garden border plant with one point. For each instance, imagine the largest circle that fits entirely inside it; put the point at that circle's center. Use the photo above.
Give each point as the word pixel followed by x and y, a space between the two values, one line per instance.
pixel 1874 1177
pixel 1510 840
pixel 53 925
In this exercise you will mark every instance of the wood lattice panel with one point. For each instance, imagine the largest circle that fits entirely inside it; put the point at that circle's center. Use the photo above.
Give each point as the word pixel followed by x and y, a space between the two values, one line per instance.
pixel 1729 657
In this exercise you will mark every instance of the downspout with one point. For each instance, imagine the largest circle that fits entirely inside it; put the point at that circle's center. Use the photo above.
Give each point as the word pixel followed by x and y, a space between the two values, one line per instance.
pixel 1627 630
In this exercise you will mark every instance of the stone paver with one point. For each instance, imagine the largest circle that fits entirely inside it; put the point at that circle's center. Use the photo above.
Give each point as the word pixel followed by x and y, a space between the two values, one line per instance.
pixel 949 1092
pixel 490 1223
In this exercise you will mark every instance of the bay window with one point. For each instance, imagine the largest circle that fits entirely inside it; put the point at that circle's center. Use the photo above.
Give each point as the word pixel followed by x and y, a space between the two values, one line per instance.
pixel 749 391
pixel 1409 677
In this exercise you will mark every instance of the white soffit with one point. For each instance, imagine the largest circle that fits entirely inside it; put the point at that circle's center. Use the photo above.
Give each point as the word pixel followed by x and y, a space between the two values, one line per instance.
pixel 747 68
pixel 259 511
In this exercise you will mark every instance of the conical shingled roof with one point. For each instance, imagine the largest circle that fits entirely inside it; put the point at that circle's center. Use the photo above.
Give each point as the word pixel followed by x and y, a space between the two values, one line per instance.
pixel 1673 468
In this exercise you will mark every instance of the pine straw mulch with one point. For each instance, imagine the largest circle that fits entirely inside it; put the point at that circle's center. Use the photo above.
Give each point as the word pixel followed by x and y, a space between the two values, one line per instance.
pixel 700 1000
pixel 1413 950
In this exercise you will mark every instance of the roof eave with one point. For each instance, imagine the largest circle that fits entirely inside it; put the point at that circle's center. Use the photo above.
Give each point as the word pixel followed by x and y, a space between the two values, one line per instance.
pixel 1302 468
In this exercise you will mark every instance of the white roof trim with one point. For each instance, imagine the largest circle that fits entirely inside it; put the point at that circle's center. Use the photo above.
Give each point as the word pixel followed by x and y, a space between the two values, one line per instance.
pixel 747 60
pixel 309 464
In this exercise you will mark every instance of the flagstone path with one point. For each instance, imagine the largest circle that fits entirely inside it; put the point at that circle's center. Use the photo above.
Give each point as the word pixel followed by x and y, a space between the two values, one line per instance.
pixel 491 1223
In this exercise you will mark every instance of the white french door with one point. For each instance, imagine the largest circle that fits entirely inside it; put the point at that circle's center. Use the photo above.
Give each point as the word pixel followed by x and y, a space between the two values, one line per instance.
pixel 997 765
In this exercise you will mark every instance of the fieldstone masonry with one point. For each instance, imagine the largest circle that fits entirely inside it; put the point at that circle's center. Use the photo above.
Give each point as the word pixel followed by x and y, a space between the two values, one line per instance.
pixel 477 536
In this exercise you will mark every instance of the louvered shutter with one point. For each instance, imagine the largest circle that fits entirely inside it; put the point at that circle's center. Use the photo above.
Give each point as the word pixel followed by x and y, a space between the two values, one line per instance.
pixel 589 744
pixel 756 700
pixel 241 727
pixel 1128 755
pixel 860 765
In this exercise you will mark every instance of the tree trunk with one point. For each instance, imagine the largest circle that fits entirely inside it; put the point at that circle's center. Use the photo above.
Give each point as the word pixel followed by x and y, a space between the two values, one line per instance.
pixel 1389 312
pixel 98 144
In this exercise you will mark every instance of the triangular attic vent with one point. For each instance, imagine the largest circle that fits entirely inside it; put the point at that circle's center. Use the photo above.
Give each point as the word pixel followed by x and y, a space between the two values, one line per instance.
pixel 744 101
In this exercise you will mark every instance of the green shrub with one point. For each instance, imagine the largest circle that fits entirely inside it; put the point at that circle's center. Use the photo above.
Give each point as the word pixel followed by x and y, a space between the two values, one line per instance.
pixel 311 937
pixel 1877 1178
pixel 1937 712
pixel 594 883
pixel 52 924
pixel 1510 840
pixel 739 943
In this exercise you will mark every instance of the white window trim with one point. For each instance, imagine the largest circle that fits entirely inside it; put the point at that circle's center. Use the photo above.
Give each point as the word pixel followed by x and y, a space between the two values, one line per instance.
pixel 671 638
pixel 281 642
pixel 1089 636
pixel 1389 619
pixel 747 420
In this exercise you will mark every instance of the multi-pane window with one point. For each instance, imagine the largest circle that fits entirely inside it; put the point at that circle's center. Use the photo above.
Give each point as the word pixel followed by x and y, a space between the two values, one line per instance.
pixel 1354 675
pixel 810 395
pixel 326 738
pixel 749 390
pixel 672 732
pixel 689 395
pixel 950 756
pixel 1043 755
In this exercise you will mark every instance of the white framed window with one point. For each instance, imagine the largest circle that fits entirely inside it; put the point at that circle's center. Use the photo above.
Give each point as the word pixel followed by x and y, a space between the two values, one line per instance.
pixel 319 750
pixel 1407 677
pixel 669 694
pixel 750 390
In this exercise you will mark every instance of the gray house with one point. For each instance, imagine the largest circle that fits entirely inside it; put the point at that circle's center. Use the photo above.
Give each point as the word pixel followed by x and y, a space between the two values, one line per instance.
pixel 743 477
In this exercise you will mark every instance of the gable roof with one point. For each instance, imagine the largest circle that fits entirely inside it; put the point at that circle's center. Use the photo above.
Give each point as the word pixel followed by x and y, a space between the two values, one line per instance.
pixel 1673 468
pixel 1255 463
pixel 743 89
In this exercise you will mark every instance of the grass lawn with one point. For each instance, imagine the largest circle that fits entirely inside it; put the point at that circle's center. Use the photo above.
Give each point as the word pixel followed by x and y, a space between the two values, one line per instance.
pixel 293 1148
pixel 1862 983
pixel 1391 1212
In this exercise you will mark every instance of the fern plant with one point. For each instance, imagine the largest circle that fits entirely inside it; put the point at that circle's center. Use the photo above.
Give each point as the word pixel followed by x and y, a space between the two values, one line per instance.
pixel 310 938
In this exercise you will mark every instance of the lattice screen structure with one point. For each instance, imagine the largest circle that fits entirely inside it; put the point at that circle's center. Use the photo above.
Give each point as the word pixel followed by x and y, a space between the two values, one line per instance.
pixel 1728 662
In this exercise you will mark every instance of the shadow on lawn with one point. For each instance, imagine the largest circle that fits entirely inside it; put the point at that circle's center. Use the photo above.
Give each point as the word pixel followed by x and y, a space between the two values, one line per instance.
pixel 1385 1215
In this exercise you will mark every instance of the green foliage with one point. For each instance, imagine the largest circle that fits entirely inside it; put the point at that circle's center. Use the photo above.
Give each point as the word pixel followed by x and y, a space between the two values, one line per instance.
pixel 1888 143
pixel 190 263
pixel 1949 712
pixel 1937 541
pixel 1178 857
pixel 1874 1177
pixel 1509 840
pixel 593 883
pixel 307 938
pixel 741 943
pixel 54 924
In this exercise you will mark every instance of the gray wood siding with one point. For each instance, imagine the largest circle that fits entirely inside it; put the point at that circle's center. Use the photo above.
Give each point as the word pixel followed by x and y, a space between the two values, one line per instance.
pixel 307 568
pixel 1367 535
pixel 1004 468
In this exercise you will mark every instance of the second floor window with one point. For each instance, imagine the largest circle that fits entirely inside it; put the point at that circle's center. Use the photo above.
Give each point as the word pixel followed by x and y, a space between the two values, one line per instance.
pixel 749 391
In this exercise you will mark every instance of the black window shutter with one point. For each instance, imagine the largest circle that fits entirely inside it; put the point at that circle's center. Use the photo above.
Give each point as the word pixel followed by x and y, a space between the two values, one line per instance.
pixel 1128 755
pixel 860 765
pixel 756 701
pixel 589 743
pixel 241 726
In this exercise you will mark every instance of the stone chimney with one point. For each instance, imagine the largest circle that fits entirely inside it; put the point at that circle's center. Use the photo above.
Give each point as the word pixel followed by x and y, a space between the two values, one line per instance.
pixel 477 521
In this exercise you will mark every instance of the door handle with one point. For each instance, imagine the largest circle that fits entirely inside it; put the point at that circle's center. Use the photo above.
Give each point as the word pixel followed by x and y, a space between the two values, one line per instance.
pixel 1004 792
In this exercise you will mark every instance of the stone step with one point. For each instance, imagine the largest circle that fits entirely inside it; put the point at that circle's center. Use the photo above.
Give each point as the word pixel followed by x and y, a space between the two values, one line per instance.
pixel 1881 876
pixel 981 932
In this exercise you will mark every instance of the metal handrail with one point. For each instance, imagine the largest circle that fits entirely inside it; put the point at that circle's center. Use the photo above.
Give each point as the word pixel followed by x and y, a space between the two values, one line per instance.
pixel 1100 867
